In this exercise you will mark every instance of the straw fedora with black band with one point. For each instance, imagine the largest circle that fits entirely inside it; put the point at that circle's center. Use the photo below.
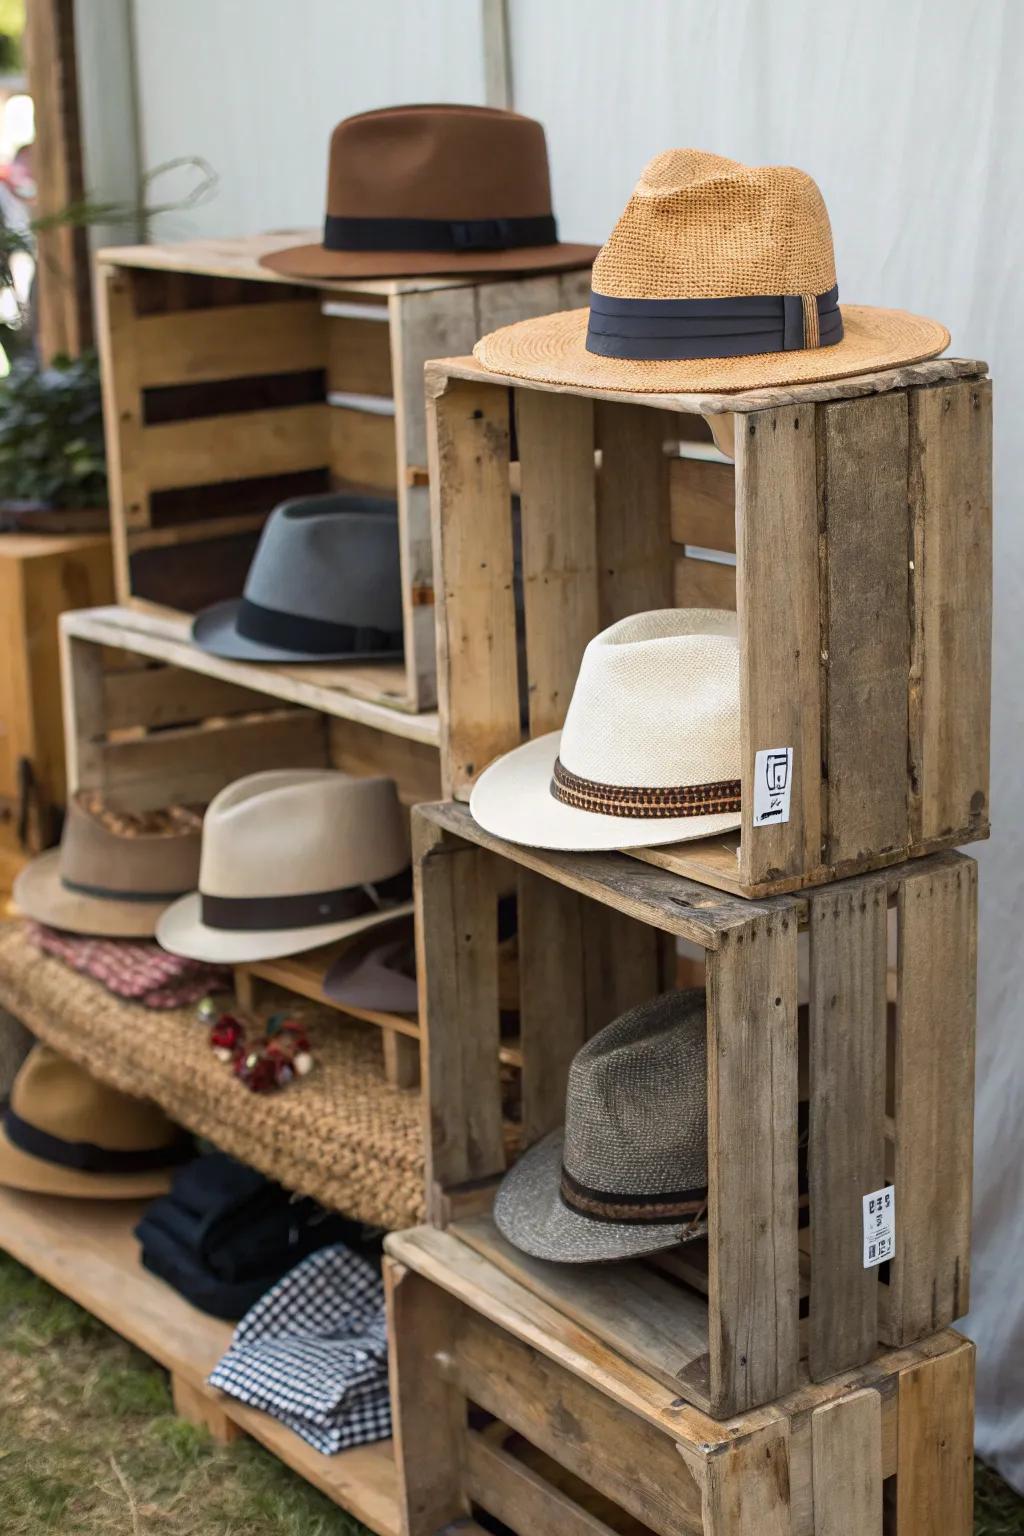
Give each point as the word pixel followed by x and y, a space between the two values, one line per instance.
pixel 64 1133
pixel 628 1172
pixel 718 276
pixel 420 190
pixel 292 859
pixel 324 585
pixel 650 749
pixel 114 872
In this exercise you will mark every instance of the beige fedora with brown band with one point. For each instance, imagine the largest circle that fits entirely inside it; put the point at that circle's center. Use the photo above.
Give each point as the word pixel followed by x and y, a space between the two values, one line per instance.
pixel 65 1133
pixel 718 276
pixel 435 189
pixel 293 859
pixel 114 872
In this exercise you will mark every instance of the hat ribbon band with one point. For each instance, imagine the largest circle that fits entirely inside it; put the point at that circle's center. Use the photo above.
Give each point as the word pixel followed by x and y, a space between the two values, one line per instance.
pixel 105 893
pixel 299 632
pixel 612 1205
pixel 261 914
pixel 354 234
pixel 86 1156
pixel 744 326
pixel 716 799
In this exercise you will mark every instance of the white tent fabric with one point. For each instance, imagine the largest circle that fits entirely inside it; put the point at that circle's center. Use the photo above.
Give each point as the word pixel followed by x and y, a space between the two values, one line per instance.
pixel 908 114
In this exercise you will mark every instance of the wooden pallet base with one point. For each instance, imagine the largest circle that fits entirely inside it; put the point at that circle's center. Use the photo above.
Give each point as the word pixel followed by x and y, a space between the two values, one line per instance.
pixel 86 1250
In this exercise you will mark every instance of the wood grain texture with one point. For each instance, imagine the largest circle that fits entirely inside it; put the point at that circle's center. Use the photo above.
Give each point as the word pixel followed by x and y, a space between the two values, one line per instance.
pixel 703 583
pixel 559 543
pixel 457 970
pixel 951 505
pixel 753 1278
pixel 552 999
pixel 703 501
pixel 846 1440
pixel 357 352
pixel 866 626
pixel 934 1097
pixel 122 416
pixel 521 1498
pixel 778 612
pixel 747 1486
pixel 361 449
pixel 633 517
pixel 235 446
pixel 478 688
pixel 846 1155
pixel 935 1481
pixel 231 341
pixel 625 963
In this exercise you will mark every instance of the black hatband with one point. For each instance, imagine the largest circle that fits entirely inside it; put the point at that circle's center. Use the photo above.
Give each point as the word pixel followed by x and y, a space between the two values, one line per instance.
pixel 261 914
pixel 457 235
pixel 86 1156
pixel 677 329
pixel 320 637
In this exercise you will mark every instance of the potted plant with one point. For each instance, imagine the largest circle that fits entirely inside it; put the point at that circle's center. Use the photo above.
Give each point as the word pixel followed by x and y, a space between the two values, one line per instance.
pixel 53 473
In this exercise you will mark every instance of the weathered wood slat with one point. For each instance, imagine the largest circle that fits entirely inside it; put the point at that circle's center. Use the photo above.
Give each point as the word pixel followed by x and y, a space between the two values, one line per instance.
pixel 935 1478
pixel 552 999
pixel 777 606
pixel 362 449
pixel 934 1098
pixel 846 1439
pixel 703 502
pixel 703 583
pixel 625 962
pixel 559 542
pixel 633 517
pixel 478 686
pixel 951 504
pixel 357 354
pixel 245 444
pixel 749 1488
pixel 867 627
pixel 232 341
pixel 753 1278
pixel 846 1155
pixel 520 1497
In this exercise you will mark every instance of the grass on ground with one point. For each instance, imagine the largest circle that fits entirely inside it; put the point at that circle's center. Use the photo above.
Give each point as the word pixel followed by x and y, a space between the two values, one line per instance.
pixel 90 1445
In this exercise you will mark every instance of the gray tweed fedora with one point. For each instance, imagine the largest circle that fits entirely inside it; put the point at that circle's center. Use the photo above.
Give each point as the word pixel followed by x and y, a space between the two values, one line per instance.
pixel 628 1173
pixel 324 585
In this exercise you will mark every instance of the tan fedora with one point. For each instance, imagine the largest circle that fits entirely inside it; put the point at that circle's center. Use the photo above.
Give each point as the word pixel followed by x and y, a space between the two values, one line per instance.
pixel 650 749
pixel 292 859
pixel 435 189
pixel 115 871
pixel 718 276
pixel 64 1133
pixel 628 1172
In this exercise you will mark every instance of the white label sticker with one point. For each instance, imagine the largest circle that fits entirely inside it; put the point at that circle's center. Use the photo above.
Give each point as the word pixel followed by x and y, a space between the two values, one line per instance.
pixel 879 1226
pixel 773 777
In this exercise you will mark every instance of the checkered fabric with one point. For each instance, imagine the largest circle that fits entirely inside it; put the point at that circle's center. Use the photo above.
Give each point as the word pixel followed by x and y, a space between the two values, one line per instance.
pixel 135 968
pixel 313 1353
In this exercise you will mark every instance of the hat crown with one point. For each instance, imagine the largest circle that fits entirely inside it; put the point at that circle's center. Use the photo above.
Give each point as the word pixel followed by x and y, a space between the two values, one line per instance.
pixel 60 1098
pixel 297 832
pixel 656 702
pixel 100 856
pixel 438 162
pixel 636 1102
pixel 335 558
pixel 699 226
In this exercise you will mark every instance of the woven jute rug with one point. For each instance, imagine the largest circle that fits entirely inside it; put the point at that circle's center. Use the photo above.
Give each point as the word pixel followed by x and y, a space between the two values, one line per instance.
pixel 342 1134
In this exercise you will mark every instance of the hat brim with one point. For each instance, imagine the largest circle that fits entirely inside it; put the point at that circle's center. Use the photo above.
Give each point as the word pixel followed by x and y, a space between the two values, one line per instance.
pixel 552 349
pixel 529 1211
pixel 512 799
pixel 315 261
pixel 215 630
pixel 369 981
pixel 39 894
pixel 182 932
pixel 20 1170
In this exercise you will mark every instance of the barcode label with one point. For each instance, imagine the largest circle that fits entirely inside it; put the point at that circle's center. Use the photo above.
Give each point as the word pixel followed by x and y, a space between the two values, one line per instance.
pixel 879 1226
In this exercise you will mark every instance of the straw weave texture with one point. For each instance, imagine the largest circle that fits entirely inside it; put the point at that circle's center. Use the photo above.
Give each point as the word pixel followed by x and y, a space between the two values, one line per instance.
pixel 342 1135
pixel 701 227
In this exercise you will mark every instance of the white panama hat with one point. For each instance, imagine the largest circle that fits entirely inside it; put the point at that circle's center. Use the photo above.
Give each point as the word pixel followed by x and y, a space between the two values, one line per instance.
pixel 650 749
pixel 292 859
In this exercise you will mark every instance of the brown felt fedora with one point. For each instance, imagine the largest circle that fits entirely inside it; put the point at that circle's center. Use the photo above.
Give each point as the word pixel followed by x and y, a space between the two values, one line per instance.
pixel 441 190
pixel 64 1133
pixel 115 871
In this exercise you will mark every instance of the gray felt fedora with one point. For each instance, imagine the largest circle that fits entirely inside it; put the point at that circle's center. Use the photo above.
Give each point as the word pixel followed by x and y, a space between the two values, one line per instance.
pixel 324 585
pixel 628 1173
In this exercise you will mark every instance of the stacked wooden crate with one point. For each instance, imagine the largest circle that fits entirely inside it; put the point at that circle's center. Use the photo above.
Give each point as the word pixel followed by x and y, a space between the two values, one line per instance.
pixel 860 516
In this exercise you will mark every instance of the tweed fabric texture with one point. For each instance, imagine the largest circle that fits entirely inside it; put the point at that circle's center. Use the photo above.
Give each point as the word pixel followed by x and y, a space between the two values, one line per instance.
pixel 342 1135
pixel 313 1353
pixel 699 226
pixel 635 1126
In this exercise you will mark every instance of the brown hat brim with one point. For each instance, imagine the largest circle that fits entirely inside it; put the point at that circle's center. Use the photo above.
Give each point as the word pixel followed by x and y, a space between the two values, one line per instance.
pixel 20 1170
pixel 553 350
pixel 315 261
pixel 39 893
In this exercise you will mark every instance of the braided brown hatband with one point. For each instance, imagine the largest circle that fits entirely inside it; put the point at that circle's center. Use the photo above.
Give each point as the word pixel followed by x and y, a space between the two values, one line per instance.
pixel 605 1206
pixel 638 800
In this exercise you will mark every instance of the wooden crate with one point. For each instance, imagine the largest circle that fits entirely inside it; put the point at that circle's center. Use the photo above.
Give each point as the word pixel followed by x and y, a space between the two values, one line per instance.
pixel 860 516
pixel 734 1322
pixel 40 577
pixel 598 1446
pixel 228 388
